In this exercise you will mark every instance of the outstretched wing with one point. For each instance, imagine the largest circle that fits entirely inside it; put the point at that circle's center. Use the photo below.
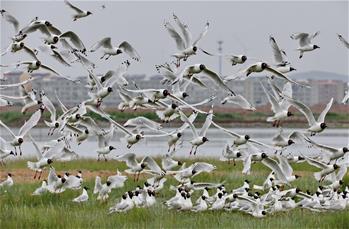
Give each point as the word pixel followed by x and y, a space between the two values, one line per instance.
pixel 323 114
pixel 33 121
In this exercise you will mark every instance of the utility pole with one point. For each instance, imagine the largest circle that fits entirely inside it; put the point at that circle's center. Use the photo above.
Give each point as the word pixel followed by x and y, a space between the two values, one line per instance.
pixel 220 56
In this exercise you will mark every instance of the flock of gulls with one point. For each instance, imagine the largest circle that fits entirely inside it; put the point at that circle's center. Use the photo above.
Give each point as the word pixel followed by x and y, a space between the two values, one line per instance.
pixel 74 125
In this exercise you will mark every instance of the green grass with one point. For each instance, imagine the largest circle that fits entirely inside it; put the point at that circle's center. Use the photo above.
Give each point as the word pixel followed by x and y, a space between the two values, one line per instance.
pixel 18 209
pixel 338 120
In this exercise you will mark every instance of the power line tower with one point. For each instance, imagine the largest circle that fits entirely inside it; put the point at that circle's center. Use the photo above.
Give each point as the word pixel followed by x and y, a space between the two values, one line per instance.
pixel 220 49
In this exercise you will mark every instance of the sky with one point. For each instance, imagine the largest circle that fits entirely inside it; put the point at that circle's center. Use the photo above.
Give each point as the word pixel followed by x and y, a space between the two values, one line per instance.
pixel 244 27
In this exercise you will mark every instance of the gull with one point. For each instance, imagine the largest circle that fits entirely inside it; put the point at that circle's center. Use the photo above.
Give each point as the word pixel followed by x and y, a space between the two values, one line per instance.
pixel 173 138
pixel 83 197
pixel 17 46
pixel 80 135
pixel 142 122
pixel 44 159
pixel 345 42
pixel 4 151
pixel 132 102
pixel 41 190
pixel 36 65
pixel 8 182
pixel 198 138
pixel 78 12
pixel 240 101
pixel 229 153
pixel 280 141
pixel 53 37
pixel 104 147
pixel 17 140
pixel 191 171
pixel 315 126
pixel 240 139
pixel 73 182
pixel 102 190
pixel 326 169
pixel 171 112
pixel 168 163
pixel 170 75
pixel 157 183
pixel 305 40
pixel 219 203
pixel 201 68
pixel 55 122
pixel 124 205
pixel 109 50
pixel 279 54
pixel 232 58
pixel 131 137
pixel 11 19
pixel 184 43
pixel 282 170
pixel 332 153
pixel 39 24
pixel 254 207
pixel 201 204
pixel 260 67
pixel 254 156
pixel 279 107
pixel 135 167
pixel 57 55
pixel 117 181
pixel 346 97
pixel 55 182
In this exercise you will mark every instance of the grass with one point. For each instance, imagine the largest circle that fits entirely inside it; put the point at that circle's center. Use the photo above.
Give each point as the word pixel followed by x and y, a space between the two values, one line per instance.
pixel 338 120
pixel 18 209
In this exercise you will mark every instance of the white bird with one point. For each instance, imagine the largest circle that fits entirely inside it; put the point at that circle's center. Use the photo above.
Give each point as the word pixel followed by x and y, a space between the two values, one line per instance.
pixel 142 122
pixel 193 170
pixel 8 182
pixel 55 183
pixel 135 167
pixel 117 181
pixel 124 205
pixel 279 106
pixel 280 141
pixel 44 158
pixel 229 153
pixel 104 147
pixel 315 126
pixel 102 190
pixel 168 163
pixel 11 19
pixel 17 140
pixel 173 138
pixel 305 42
pixel 36 65
pixel 202 69
pixel 240 139
pixel 41 190
pixel 4 151
pixel 240 101
pixel 279 54
pixel 78 12
pixel 345 42
pixel 332 153
pixel 18 46
pixel 201 204
pixel 83 197
pixel 73 182
pixel 184 43
pixel 232 58
pixel 346 97
pixel 326 169
pixel 109 50
pixel 198 138
pixel 257 68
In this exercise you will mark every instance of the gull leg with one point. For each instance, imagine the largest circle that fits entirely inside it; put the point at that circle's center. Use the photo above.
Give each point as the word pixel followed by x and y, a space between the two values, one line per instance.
pixel 234 162
pixel 20 150
pixel 35 174
pixel 98 157
pixel 191 150
pixel 196 148
pixel 103 56
pixel 39 175
pixel 105 159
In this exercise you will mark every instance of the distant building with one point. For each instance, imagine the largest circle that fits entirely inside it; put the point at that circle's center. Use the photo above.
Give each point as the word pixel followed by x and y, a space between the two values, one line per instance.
pixel 71 93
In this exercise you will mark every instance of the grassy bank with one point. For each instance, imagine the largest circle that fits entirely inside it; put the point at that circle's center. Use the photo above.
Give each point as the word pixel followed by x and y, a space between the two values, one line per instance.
pixel 18 209
pixel 246 119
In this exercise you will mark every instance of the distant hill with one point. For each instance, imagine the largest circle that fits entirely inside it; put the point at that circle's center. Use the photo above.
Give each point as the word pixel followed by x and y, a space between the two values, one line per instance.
pixel 319 75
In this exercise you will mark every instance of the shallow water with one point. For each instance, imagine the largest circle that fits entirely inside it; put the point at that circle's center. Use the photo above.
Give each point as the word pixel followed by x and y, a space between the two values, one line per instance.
pixel 213 148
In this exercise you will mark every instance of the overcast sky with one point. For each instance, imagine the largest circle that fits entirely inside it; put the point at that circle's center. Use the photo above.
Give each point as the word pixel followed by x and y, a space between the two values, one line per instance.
pixel 243 26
